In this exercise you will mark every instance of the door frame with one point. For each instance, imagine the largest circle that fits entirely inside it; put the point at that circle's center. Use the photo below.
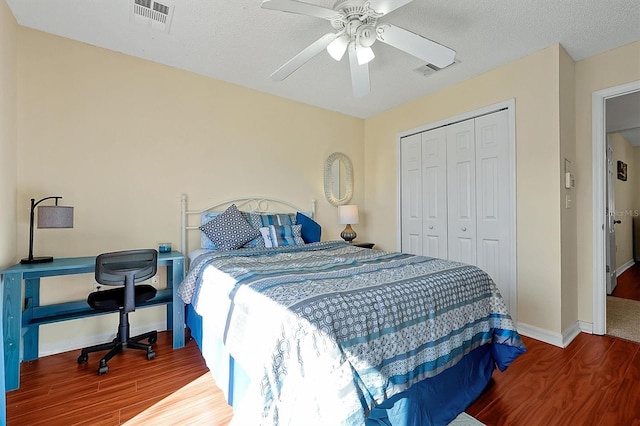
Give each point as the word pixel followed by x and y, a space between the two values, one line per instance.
pixel 510 106
pixel 599 198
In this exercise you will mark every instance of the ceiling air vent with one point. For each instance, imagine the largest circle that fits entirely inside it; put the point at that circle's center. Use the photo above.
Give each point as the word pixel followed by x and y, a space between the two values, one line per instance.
pixel 155 14
pixel 428 69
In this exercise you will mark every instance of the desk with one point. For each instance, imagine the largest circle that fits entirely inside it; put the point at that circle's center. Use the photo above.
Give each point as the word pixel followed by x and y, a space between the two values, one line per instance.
pixel 22 317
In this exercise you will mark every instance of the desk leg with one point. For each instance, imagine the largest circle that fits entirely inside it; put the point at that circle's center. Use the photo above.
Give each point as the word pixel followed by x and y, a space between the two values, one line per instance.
pixel 31 334
pixel 11 318
pixel 177 315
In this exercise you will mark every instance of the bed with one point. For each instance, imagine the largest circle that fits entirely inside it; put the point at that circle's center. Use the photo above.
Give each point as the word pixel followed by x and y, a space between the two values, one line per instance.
pixel 310 332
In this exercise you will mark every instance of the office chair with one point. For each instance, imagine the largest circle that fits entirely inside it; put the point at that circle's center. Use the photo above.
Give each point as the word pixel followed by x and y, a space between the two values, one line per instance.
pixel 125 269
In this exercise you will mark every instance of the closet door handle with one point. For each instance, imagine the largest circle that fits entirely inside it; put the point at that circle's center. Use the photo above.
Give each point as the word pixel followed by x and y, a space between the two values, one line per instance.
pixel 464 229
pixel 431 227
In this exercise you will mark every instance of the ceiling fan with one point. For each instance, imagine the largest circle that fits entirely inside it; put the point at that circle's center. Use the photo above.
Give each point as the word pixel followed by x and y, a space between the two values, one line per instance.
pixel 357 28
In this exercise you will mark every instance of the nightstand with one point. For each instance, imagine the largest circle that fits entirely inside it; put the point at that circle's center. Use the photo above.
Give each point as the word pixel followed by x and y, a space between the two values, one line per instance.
pixel 363 245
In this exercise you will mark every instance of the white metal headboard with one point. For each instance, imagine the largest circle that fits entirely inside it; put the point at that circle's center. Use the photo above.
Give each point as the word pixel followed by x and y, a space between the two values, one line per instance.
pixel 254 204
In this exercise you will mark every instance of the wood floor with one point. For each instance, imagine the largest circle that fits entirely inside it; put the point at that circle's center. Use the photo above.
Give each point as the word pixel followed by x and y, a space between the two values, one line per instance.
pixel 595 381
pixel 628 284
pixel 55 390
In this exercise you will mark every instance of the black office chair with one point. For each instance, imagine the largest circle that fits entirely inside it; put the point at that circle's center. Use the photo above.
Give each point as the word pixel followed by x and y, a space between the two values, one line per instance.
pixel 123 268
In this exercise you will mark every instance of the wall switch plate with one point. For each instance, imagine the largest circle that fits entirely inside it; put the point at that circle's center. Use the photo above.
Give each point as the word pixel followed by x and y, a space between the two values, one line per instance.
pixel 569 180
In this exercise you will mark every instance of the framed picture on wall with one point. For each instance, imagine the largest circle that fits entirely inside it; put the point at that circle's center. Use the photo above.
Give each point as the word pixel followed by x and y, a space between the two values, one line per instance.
pixel 622 170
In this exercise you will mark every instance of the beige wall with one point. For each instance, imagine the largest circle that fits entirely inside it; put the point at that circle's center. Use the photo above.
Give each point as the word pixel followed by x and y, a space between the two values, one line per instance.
pixel 534 83
pixel 8 134
pixel 609 69
pixel 121 139
pixel 625 198
pixel 567 200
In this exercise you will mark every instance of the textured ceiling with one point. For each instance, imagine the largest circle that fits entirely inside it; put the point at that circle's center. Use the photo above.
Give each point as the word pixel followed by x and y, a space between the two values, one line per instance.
pixel 239 42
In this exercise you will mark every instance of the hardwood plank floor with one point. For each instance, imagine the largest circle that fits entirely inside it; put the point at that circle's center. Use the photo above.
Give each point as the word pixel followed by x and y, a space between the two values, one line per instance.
pixel 595 381
pixel 628 284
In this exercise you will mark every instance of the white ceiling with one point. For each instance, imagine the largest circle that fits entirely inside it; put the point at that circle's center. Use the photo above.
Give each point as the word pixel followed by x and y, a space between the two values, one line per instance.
pixel 239 42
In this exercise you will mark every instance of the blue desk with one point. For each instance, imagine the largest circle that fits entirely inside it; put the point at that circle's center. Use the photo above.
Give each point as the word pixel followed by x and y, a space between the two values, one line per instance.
pixel 22 317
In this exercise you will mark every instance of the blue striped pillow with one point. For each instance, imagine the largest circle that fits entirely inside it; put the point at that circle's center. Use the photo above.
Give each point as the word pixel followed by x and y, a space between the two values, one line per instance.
pixel 278 219
pixel 286 235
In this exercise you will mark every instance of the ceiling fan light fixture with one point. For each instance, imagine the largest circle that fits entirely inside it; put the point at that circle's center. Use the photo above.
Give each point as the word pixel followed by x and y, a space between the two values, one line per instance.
pixel 366 35
pixel 338 47
pixel 364 55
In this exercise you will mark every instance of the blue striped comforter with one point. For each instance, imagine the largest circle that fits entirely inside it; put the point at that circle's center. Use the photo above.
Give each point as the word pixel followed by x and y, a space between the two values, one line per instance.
pixel 327 331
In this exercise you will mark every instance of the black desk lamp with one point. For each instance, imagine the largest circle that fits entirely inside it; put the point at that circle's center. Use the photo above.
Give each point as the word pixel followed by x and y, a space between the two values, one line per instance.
pixel 48 217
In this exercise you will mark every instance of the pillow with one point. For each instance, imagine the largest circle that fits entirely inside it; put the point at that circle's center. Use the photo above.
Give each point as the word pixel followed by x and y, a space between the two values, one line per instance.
pixel 252 219
pixel 205 218
pixel 266 236
pixel 285 235
pixel 311 230
pixel 277 219
pixel 229 230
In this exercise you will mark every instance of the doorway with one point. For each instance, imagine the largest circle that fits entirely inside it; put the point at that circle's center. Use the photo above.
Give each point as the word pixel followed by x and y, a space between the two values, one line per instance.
pixel 602 221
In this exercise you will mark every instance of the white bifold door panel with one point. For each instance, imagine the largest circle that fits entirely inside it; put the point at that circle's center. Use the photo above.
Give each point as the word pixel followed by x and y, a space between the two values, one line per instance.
pixel 455 195
pixel 493 203
pixel 461 191
pixel 411 163
pixel 434 193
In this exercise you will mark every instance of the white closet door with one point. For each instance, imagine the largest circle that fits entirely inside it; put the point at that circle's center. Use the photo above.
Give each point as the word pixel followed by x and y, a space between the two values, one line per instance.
pixel 461 182
pixel 411 207
pixel 434 193
pixel 493 204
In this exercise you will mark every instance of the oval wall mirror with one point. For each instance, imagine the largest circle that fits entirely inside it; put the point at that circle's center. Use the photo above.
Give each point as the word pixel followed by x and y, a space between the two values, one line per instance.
pixel 338 179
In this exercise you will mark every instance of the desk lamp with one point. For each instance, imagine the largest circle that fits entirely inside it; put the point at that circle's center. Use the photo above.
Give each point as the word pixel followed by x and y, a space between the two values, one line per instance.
pixel 48 217
pixel 348 215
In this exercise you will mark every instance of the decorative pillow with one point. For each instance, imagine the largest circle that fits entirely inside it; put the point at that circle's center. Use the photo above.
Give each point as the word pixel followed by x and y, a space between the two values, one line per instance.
pixel 278 219
pixel 252 219
pixel 205 218
pixel 286 235
pixel 311 230
pixel 229 230
pixel 266 236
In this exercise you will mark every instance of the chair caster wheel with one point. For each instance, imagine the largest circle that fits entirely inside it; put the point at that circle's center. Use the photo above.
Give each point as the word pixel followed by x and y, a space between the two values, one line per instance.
pixel 83 358
pixel 150 355
pixel 103 370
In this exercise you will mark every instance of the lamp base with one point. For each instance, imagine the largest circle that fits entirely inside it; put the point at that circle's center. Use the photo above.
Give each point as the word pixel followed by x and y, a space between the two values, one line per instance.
pixel 41 259
pixel 348 234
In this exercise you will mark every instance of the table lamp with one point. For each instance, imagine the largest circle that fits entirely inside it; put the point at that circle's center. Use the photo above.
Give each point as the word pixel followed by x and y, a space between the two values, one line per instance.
pixel 48 217
pixel 348 215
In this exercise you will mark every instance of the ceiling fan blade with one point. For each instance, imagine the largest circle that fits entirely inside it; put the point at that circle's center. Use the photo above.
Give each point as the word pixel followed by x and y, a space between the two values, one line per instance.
pixel 303 57
pixel 416 45
pixel 300 8
pixel 359 74
pixel 386 6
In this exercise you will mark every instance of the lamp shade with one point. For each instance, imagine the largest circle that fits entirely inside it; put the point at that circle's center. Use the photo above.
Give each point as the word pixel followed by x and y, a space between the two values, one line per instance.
pixel 348 214
pixel 55 217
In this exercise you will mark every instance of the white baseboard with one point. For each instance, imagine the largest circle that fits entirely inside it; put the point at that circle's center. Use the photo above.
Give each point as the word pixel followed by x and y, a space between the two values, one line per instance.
pixel 83 342
pixel 556 339
pixel 586 327
pixel 624 267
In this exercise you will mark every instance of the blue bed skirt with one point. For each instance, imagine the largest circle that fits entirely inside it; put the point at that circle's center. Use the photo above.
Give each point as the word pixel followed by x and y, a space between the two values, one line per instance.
pixel 434 401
